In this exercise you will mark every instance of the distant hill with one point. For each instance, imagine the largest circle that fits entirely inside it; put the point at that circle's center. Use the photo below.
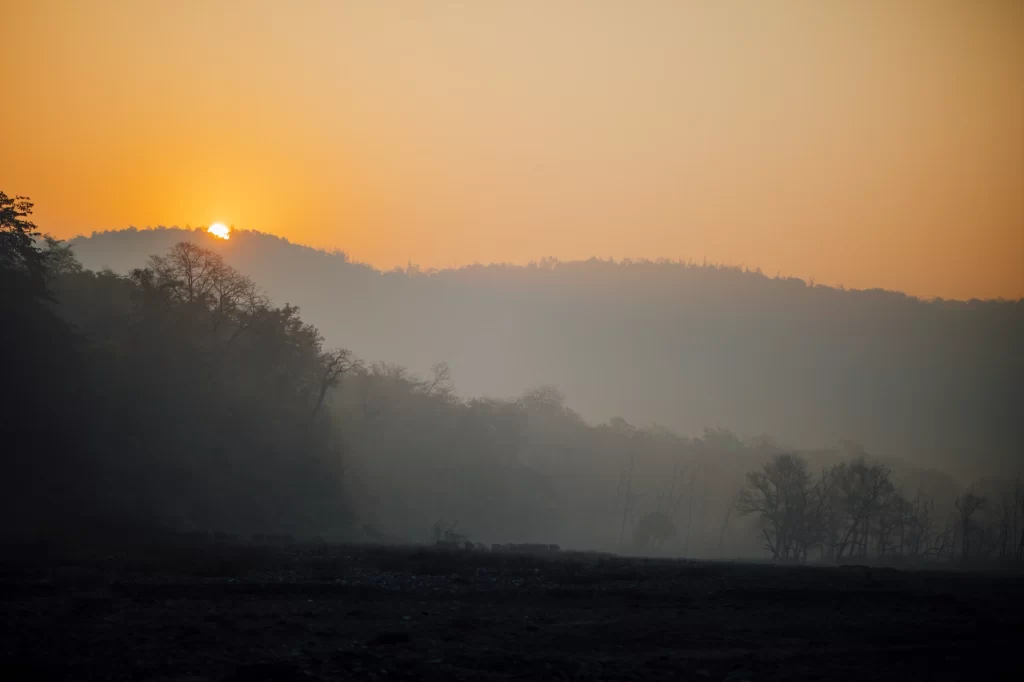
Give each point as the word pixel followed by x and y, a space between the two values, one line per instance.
pixel 936 383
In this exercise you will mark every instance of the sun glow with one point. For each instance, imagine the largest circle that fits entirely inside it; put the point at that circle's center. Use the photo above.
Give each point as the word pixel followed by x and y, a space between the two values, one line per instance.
pixel 220 230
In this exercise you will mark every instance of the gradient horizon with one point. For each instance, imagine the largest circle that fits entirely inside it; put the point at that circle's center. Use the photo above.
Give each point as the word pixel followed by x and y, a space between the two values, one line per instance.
pixel 865 144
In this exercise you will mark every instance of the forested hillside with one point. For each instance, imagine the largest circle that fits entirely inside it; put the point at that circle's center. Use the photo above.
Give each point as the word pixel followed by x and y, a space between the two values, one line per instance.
pixel 181 397
pixel 173 398
pixel 935 383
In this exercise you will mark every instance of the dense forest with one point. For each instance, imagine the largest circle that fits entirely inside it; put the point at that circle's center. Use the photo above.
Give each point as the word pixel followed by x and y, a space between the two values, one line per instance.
pixel 935 383
pixel 174 397
pixel 178 396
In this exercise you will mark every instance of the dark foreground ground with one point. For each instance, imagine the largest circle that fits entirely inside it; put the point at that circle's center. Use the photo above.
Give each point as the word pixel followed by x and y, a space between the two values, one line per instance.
pixel 246 613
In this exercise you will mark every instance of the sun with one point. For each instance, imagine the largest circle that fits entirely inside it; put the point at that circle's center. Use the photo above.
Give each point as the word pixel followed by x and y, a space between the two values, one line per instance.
pixel 220 230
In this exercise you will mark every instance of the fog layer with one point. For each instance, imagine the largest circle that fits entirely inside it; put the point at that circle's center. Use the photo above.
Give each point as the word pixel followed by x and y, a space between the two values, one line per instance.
pixel 687 346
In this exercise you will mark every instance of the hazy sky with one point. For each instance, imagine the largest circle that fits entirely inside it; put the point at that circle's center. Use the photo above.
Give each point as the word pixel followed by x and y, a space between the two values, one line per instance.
pixel 860 143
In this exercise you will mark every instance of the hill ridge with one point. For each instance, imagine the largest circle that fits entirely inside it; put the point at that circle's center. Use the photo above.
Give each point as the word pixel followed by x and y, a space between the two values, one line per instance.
pixel 684 345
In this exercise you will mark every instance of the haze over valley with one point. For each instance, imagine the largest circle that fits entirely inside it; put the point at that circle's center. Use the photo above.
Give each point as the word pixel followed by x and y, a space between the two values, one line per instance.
pixel 512 339
pixel 933 383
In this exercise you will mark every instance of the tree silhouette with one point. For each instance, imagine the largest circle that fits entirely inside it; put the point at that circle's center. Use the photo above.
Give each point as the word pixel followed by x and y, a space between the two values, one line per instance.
pixel 968 504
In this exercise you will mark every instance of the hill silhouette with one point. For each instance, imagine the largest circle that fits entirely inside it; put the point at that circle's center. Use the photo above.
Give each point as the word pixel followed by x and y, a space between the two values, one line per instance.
pixel 935 383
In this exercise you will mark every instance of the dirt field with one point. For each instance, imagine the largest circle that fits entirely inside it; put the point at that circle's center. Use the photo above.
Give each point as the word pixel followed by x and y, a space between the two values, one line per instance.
pixel 308 613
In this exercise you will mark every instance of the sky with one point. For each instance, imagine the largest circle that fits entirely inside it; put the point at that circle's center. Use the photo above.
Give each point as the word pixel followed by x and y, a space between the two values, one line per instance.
pixel 860 143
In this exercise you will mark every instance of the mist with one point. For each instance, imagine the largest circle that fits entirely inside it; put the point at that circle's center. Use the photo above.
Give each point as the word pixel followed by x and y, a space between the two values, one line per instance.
pixel 686 346
pixel 557 403
pixel 200 408
pixel 572 340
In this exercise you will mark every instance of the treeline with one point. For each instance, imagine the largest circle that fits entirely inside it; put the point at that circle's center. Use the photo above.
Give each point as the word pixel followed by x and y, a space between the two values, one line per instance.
pixel 678 343
pixel 177 397
pixel 532 470
pixel 853 510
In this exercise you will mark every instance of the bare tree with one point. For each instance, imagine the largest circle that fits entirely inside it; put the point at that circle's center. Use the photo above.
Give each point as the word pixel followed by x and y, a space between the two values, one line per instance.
pixel 968 504
pixel 441 382
pixel 724 528
pixel 791 505
pixel 689 512
pixel 626 492
pixel 1007 510
pixel 189 272
pixel 862 487
pixel 890 523
pixel 917 539
pixel 334 363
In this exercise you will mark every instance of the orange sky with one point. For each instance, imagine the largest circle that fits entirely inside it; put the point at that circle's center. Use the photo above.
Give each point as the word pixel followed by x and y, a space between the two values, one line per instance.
pixel 864 143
